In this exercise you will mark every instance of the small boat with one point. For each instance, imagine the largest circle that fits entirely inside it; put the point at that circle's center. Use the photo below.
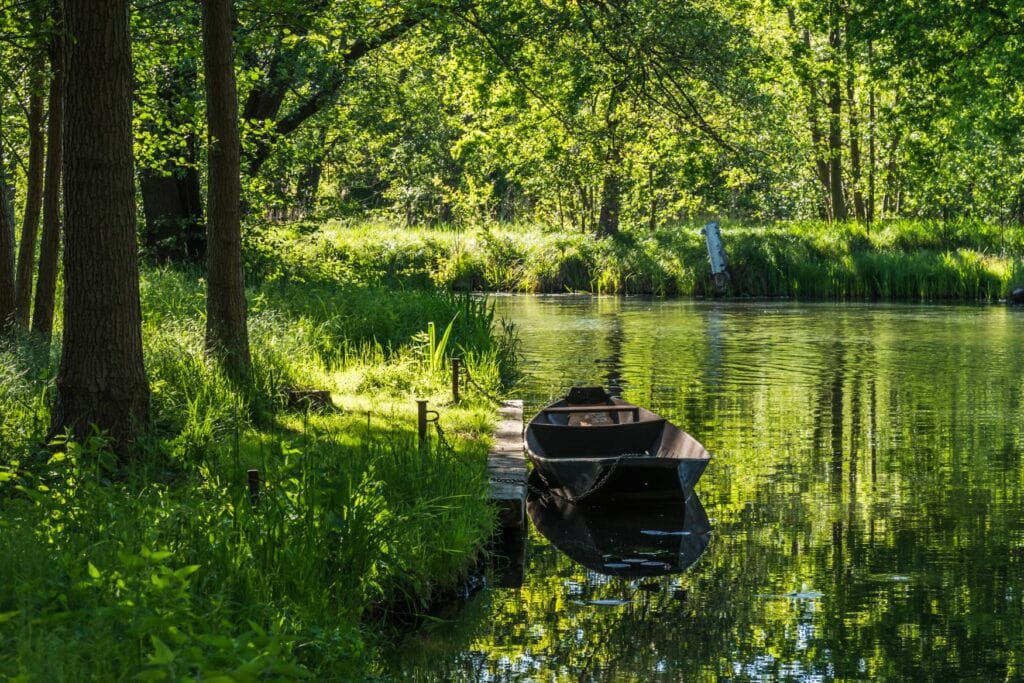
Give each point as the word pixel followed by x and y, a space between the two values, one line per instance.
pixel 595 447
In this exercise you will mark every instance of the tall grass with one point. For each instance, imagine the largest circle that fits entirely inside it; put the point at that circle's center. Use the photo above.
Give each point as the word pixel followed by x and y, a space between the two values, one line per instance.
pixel 894 260
pixel 168 571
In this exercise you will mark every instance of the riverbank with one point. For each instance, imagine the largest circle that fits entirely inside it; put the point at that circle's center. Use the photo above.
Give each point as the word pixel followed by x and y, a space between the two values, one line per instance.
pixel 173 569
pixel 890 261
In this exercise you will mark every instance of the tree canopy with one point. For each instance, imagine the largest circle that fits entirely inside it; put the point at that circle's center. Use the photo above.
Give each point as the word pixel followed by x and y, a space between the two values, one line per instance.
pixel 583 114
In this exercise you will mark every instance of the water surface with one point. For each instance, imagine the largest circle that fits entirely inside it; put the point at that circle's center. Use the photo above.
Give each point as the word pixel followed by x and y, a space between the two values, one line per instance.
pixel 864 501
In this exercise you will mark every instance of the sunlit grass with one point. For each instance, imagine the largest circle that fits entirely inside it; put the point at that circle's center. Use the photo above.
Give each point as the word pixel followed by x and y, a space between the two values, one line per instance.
pixel 898 260
pixel 168 571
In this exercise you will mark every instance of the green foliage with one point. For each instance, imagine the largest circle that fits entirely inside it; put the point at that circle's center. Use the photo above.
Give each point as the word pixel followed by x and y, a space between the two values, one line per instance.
pixel 167 571
pixel 894 261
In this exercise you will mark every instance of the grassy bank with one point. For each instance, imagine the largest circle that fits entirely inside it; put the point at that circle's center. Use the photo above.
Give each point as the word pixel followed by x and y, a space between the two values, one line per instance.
pixel 891 261
pixel 168 571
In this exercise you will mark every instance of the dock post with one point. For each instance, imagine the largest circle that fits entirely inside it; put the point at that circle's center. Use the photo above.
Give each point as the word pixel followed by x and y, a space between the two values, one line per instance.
pixel 716 256
pixel 421 422
pixel 456 366
pixel 253 477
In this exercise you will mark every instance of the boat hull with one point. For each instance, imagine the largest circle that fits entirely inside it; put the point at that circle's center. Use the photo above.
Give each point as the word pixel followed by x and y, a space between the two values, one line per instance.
pixel 629 478
pixel 612 451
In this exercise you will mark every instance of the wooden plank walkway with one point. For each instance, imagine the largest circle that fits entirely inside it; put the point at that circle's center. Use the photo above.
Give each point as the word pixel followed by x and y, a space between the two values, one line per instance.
pixel 506 464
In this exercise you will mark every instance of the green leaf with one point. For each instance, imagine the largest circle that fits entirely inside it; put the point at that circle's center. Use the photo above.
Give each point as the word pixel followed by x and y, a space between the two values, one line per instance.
pixel 93 571
pixel 186 571
pixel 162 654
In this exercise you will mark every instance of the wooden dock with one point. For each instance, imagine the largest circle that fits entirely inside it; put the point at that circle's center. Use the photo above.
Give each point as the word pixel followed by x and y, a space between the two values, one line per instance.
pixel 506 464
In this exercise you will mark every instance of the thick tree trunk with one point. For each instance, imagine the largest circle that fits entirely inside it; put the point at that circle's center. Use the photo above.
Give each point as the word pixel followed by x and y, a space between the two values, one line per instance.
pixel 49 244
pixel 835 130
pixel 227 336
pixel 33 197
pixel 6 243
pixel 101 381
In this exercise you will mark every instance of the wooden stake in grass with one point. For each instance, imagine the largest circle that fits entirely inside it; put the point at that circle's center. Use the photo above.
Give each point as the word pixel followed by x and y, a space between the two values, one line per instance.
pixel 254 486
pixel 423 416
pixel 456 363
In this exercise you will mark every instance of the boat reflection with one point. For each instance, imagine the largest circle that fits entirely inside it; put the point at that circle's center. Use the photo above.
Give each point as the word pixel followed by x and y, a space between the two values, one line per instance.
pixel 634 541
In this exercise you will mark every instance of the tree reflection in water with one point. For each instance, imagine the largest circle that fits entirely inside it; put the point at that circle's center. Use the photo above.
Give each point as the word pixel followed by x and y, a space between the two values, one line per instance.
pixel 866 499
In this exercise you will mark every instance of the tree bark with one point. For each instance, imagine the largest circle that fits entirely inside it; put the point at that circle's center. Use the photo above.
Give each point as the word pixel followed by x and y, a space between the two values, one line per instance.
pixel 809 80
pixel 891 181
pixel 835 131
pixel 49 244
pixel 33 197
pixel 101 382
pixel 611 185
pixel 859 209
pixel 227 336
pixel 871 134
pixel 611 199
pixel 6 241
pixel 172 206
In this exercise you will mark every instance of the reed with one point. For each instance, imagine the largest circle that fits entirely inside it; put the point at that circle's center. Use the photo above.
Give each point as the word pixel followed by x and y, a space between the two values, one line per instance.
pixel 898 260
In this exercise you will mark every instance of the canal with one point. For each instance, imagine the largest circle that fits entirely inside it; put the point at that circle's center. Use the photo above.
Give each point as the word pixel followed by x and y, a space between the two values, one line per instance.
pixel 864 501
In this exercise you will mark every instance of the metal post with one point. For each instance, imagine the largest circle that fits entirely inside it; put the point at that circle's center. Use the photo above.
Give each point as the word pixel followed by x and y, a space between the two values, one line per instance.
pixel 456 366
pixel 716 256
pixel 254 486
pixel 421 422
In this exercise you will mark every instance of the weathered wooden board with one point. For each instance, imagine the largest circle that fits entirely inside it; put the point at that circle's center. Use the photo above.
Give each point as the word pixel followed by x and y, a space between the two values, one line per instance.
pixel 506 464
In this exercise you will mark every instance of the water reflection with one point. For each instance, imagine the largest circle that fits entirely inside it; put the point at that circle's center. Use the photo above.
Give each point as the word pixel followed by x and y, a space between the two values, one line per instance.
pixel 633 542
pixel 867 496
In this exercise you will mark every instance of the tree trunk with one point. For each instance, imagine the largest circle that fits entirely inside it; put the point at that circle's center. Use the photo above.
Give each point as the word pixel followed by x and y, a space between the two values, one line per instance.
pixel 171 193
pixel 227 336
pixel 611 185
pixel 855 162
pixel 821 168
pixel 49 245
pixel 835 131
pixel 871 135
pixel 611 200
pixel 6 241
pixel 309 178
pixel 171 203
pixel 101 381
pixel 33 197
pixel 891 181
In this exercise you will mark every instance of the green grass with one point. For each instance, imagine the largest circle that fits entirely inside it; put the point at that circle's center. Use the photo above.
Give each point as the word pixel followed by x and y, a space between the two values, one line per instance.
pixel 167 571
pixel 891 261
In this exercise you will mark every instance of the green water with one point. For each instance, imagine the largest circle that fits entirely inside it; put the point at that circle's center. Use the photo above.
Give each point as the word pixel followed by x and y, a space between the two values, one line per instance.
pixel 865 500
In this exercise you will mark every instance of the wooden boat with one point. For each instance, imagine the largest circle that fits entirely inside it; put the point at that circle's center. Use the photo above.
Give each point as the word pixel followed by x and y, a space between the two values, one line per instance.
pixel 646 540
pixel 594 447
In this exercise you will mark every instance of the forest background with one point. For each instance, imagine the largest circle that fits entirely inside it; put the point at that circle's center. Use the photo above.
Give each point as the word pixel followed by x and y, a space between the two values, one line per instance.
pixel 304 184
pixel 585 117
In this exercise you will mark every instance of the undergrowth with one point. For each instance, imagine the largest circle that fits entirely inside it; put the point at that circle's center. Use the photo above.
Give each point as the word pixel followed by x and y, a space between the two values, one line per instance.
pixel 170 569
pixel 896 260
